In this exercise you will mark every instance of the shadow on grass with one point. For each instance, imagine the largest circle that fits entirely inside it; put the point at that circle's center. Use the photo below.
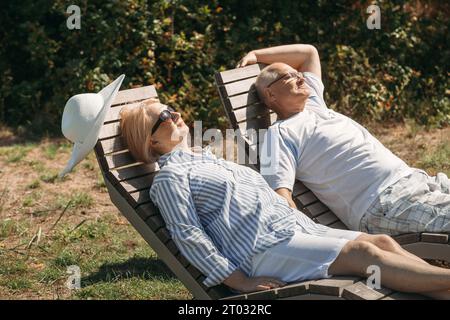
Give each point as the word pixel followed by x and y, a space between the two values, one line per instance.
pixel 142 268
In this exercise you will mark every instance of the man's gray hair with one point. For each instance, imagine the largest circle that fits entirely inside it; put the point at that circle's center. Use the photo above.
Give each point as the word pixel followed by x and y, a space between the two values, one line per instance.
pixel 267 75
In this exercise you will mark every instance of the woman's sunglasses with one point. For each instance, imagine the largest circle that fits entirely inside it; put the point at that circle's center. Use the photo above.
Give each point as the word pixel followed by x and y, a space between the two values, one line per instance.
pixel 164 116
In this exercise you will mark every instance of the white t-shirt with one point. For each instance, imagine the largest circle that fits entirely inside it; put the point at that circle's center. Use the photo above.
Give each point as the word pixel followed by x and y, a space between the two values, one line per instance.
pixel 338 159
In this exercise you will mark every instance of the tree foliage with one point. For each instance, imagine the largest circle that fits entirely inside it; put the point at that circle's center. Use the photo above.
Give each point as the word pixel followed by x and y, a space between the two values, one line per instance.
pixel 397 72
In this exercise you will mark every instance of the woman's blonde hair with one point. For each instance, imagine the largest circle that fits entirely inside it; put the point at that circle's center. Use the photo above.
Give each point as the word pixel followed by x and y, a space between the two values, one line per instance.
pixel 136 124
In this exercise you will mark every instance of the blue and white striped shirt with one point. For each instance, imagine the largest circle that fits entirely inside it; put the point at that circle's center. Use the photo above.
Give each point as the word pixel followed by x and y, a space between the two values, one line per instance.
pixel 219 213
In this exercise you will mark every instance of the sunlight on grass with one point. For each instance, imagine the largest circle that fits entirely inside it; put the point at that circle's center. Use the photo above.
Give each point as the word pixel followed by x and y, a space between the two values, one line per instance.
pixel 37 165
pixel 66 258
pixel 7 228
pixel 135 288
pixel 88 165
pixel 437 160
pixel 50 151
pixel 34 184
pixel 16 153
pixel 16 283
pixel 30 199
pixel 100 183
pixel 79 199
pixel 12 266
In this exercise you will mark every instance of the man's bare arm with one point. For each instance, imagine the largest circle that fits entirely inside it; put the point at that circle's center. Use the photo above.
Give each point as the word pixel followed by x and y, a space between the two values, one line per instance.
pixel 302 57
pixel 287 194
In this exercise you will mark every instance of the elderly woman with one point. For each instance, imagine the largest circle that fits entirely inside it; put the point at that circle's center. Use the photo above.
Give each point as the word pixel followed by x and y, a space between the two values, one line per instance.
pixel 228 222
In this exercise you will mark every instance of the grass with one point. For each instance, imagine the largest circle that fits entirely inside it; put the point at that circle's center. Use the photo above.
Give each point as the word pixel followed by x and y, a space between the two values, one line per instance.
pixel 438 160
pixel 115 262
pixel 15 154
pixel 79 199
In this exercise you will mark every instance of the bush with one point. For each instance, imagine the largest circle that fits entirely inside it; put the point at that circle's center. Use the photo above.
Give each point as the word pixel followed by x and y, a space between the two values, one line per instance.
pixel 394 73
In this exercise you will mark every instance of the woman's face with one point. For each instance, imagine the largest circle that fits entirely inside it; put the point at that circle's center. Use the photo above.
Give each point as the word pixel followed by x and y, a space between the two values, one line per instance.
pixel 169 133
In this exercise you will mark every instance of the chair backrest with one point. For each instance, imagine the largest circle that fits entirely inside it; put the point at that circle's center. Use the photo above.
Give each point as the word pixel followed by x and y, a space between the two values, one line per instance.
pixel 128 183
pixel 246 111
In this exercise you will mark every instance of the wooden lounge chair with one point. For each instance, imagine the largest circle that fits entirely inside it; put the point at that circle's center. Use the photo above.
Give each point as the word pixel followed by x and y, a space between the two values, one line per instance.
pixel 245 111
pixel 128 184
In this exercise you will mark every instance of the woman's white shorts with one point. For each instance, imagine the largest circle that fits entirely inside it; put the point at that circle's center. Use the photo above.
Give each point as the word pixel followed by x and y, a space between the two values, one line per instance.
pixel 306 256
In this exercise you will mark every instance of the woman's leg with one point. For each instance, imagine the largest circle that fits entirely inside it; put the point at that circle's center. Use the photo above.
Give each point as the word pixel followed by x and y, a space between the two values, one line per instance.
pixel 397 272
pixel 386 243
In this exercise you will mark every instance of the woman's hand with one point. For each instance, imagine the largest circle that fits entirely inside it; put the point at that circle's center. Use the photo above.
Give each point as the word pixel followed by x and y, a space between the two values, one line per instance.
pixel 240 282
pixel 260 283
pixel 248 59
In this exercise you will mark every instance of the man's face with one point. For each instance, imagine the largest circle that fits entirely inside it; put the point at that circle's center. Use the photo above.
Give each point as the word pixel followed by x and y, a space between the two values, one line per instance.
pixel 289 92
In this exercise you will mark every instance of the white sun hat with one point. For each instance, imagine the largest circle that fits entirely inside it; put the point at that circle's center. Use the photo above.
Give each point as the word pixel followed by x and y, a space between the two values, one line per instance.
pixel 83 118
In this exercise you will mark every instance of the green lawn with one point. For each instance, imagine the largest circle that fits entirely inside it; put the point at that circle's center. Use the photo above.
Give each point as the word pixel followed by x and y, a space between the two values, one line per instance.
pixel 48 224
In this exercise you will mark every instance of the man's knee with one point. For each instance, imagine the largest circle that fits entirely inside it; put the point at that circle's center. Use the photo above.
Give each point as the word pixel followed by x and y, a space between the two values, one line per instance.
pixel 362 249
pixel 382 241
pixel 385 242
pixel 354 258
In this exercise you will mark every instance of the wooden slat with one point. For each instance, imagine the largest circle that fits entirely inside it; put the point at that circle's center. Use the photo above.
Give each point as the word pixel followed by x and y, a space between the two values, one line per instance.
pixel 135 94
pixel 429 250
pixel 147 210
pixel 194 271
pixel 113 145
pixel 299 188
pixel 119 160
pixel 182 259
pixel 333 286
pixel 306 198
pixel 244 99
pixel 407 238
pixel 132 172
pixel 434 237
pixel 140 197
pixel 256 123
pixel 155 222
pixel 338 225
pixel 172 247
pixel 405 296
pixel 252 111
pixel 139 183
pixel 360 291
pixel 114 112
pixel 316 208
pixel 239 87
pixel 242 296
pixel 219 291
pixel 164 235
pixel 109 130
pixel 241 73
pixel 294 289
pixel 327 218
pixel 262 295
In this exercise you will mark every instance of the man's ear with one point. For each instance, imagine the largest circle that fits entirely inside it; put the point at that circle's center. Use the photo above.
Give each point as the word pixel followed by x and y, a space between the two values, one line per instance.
pixel 269 97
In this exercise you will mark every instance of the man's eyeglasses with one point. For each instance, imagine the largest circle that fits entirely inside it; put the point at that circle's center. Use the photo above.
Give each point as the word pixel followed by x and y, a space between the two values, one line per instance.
pixel 288 75
pixel 164 116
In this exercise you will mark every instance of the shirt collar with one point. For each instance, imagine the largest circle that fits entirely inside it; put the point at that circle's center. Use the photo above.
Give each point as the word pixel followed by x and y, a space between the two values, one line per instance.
pixel 183 156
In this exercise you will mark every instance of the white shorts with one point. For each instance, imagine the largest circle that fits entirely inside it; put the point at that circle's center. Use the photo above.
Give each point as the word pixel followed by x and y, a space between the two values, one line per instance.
pixel 306 256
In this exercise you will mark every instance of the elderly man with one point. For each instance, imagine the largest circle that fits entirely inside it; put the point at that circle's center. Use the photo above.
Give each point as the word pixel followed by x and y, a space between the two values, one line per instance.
pixel 366 185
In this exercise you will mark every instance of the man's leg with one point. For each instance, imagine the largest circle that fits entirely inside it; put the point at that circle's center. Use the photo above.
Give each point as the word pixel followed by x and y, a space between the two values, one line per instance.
pixel 386 243
pixel 413 204
pixel 397 272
